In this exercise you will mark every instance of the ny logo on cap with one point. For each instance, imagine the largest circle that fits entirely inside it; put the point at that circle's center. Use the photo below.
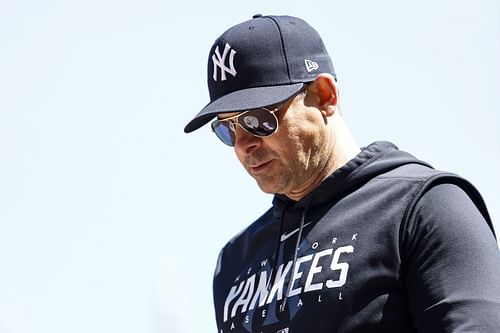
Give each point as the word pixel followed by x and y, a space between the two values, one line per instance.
pixel 220 62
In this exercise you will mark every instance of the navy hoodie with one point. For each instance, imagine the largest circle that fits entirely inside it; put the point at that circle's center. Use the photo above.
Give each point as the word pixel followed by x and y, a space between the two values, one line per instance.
pixel 384 244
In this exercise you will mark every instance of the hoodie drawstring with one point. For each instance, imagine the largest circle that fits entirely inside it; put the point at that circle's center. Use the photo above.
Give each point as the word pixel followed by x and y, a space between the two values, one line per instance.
pixel 296 253
pixel 277 250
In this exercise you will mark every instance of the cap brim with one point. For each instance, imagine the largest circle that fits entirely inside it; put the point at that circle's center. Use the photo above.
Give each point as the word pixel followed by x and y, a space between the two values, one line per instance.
pixel 242 100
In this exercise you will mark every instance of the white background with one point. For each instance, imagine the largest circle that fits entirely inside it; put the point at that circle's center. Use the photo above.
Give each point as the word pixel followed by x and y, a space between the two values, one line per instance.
pixel 111 218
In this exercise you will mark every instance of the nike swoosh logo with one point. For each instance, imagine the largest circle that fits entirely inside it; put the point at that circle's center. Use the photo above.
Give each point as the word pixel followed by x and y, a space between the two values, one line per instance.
pixel 285 236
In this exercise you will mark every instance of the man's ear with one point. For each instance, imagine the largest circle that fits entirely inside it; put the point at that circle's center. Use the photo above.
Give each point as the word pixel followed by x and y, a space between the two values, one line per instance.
pixel 325 88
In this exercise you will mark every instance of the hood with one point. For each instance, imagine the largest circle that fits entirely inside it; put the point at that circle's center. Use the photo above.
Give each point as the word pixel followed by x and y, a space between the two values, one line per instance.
pixel 373 160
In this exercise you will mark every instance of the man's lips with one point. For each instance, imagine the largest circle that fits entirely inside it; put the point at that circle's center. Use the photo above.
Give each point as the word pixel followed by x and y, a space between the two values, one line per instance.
pixel 259 168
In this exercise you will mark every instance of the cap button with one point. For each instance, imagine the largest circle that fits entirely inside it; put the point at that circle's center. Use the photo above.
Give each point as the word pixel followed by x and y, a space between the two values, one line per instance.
pixel 257 16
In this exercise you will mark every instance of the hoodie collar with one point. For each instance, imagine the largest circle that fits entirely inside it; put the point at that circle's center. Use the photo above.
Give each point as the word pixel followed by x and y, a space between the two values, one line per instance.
pixel 373 160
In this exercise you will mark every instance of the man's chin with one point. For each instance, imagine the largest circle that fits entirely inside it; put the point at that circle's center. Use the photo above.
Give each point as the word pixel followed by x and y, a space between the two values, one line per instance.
pixel 267 187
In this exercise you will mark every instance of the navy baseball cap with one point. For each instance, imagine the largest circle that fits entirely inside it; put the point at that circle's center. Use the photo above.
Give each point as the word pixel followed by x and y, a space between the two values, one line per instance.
pixel 261 62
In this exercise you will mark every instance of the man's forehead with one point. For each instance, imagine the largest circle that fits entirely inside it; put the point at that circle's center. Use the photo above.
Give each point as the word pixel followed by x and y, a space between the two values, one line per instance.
pixel 225 115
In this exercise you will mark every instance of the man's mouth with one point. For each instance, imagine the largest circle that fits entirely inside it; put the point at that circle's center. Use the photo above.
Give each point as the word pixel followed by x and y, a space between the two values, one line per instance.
pixel 259 168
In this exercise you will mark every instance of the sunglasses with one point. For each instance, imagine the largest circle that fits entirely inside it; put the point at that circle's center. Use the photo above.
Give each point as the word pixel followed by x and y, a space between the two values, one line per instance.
pixel 258 122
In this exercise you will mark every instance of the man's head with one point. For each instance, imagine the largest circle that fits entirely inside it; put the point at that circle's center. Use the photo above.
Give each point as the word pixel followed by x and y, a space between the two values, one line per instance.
pixel 273 90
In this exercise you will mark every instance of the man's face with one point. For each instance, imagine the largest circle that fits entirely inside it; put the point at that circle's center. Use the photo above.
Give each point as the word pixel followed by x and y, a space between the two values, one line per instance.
pixel 292 159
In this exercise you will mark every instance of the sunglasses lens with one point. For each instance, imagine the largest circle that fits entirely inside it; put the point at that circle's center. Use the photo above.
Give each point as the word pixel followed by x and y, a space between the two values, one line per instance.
pixel 223 132
pixel 259 122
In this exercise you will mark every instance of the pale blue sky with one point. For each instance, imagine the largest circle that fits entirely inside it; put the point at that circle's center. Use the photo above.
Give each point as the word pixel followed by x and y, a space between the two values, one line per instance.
pixel 111 218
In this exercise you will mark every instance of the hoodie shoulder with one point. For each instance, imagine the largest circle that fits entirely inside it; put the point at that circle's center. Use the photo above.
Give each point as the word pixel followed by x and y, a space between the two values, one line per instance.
pixel 240 243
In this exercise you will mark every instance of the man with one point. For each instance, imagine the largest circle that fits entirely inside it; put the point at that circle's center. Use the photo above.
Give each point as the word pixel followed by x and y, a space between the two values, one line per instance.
pixel 357 240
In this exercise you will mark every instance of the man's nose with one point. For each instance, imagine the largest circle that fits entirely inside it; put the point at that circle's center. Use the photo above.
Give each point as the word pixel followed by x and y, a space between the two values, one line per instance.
pixel 246 143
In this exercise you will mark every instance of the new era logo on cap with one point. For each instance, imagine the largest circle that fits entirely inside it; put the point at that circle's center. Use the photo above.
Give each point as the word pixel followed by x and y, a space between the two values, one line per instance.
pixel 311 65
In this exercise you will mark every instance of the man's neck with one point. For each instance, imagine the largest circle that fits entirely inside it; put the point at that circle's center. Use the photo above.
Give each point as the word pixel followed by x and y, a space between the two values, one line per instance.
pixel 342 148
